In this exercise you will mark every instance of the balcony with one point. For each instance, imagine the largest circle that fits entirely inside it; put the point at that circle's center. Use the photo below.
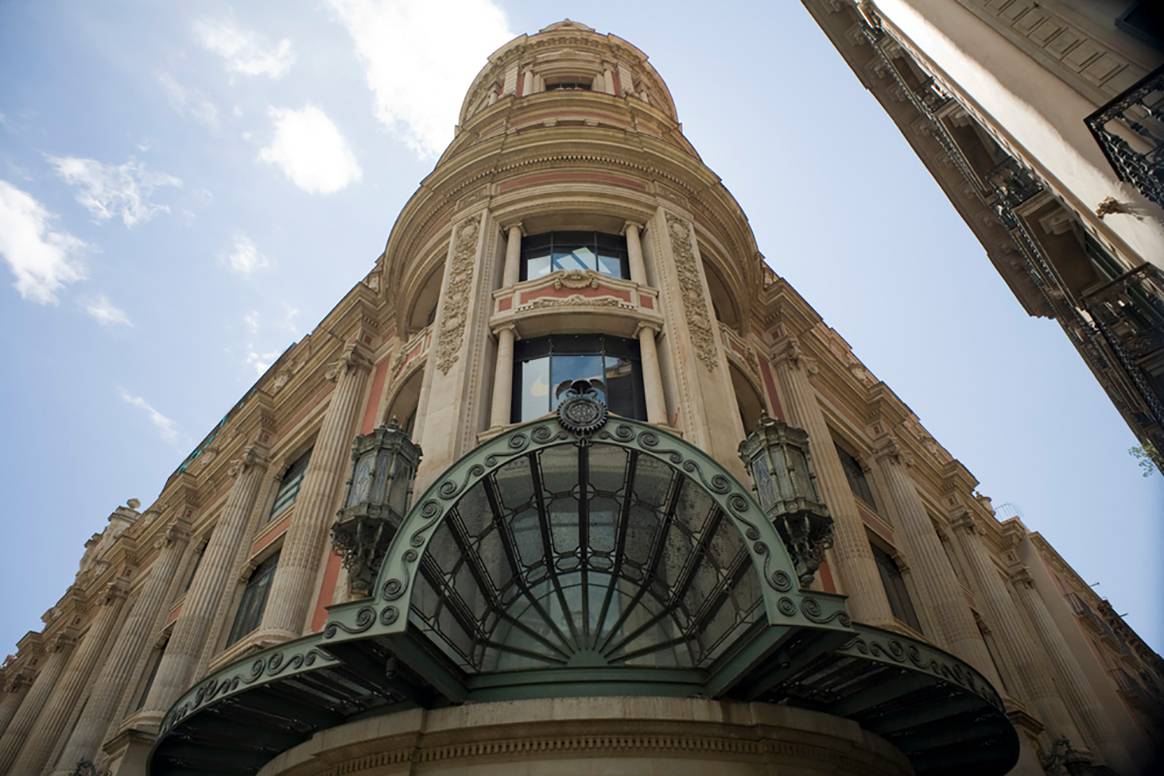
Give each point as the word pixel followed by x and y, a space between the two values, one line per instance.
pixel 1131 307
pixel 594 302
pixel 1130 130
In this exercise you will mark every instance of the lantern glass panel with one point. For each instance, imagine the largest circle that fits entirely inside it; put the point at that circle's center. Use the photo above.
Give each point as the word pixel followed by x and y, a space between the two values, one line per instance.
pixel 399 481
pixel 362 478
pixel 798 471
pixel 779 455
pixel 765 487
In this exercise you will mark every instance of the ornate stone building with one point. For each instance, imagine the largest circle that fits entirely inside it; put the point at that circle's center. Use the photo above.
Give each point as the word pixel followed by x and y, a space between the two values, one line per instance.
pixel 554 560
pixel 1041 120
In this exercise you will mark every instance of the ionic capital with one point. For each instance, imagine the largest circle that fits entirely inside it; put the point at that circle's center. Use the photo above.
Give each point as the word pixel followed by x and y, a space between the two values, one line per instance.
pixel 510 226
pixel 888 449
pixel 636 225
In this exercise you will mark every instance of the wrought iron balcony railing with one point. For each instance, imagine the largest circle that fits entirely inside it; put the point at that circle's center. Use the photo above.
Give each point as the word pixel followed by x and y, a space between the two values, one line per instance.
pixel 1131 307
pixel 1130 130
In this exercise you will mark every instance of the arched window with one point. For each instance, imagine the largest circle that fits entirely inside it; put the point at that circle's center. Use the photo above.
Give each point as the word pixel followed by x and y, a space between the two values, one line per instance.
pixel 254 600
pixel 605 254
pixel 541 365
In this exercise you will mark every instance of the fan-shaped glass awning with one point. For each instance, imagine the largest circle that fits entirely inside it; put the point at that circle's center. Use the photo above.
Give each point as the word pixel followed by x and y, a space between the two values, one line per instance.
pixel 581 555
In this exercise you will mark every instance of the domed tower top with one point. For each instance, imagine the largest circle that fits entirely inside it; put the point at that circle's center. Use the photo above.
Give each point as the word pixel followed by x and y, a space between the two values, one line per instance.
pixel 567 55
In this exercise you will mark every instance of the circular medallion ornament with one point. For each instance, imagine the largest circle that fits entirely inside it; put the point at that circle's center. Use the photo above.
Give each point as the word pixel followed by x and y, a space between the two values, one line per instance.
pixel 580 410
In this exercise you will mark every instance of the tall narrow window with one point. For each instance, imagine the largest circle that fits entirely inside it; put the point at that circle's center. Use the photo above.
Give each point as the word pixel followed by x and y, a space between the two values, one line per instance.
pixel 254 600
pixel 151 674
pixel 289 485
pixel 855 474
pixel 195 562
pixel 895 591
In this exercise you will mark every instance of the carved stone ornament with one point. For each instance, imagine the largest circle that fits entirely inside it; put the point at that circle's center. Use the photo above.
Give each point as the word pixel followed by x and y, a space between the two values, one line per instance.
pixel 454 317
pixel 580 410
pixel 575 278
pixel 698 318
pixel 576 300
pixel 351 359
pixel 251 456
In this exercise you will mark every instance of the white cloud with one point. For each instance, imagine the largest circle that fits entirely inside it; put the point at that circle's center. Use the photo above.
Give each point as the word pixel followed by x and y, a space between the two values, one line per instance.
pixel 419 57
pixel 244 257
pixel 43 260
pixel 310 151
pixel 112 191
pixel 100 309
pixel 189 102
pixel 167 428
pixel 261 362
pixel 244 51
pixel 290 313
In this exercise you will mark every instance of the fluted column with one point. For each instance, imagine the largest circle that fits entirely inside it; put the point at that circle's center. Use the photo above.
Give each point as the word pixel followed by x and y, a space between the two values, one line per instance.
pixel 1030 674
pixel 502 409
pixel 34 701
pixel 936 583
pixel 512 269
pixel 213 577
pixel 117 672
pixel 290 598
pixel 851 550
pixel 1095 726
pixel 14 692
pixel 634 251
pixel 61 703
pixel 652 375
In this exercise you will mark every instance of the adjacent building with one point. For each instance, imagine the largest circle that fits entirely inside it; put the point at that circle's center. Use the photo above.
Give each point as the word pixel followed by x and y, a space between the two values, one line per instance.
pixel 1041 120
pixel 573 481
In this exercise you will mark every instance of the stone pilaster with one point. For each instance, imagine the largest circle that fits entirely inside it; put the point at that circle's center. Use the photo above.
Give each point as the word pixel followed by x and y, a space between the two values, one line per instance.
pixel 851 552
pixel 34 701
pixel 213 577
pixel 303 547
pixel 1028 673
pixel 458 370
pixel 1094 724
pixel 118 671
pixel 705 407
pixel 50 724
pixel 14 691
pixel 936 585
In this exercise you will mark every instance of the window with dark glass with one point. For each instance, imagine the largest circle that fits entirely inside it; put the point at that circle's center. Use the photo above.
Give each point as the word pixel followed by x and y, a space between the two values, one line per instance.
pixel 254 600
pixel 899 601
pixel 289 485
pixel 151 674
pixel 195 563
pixel 855 474
pixel 541 365
pixel 605 254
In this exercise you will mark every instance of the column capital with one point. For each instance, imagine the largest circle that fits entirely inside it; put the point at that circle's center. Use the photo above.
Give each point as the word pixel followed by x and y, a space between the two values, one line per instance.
pixel 789 351
pixel 650 326
pixel 964 522
pixel 506 326
pixel 1021 578
pixel 509 226
pixel 354 357
pixel 638 226
pixel 17 682
pixel 888 449
pixel 176 532
pixel 115 592
pixel 62 641
pixel 252 455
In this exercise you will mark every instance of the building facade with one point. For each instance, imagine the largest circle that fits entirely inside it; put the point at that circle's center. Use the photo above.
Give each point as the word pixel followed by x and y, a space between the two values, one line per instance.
pixel 567 338
pixel 1040 119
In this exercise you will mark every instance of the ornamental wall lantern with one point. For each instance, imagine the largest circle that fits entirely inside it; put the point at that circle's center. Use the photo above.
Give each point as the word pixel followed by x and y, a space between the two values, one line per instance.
pixel 776 455
pixel 383 468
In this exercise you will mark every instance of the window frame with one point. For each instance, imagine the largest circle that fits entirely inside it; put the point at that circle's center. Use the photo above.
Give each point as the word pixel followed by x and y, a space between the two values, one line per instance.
pixel 290 483
pixel 893 582
pixel 601 244
pixel 248 614
pixel 856 475
pixel 607 347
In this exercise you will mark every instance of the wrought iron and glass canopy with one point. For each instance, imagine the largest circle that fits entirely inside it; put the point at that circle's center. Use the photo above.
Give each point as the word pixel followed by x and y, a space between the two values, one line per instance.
pixel 588 555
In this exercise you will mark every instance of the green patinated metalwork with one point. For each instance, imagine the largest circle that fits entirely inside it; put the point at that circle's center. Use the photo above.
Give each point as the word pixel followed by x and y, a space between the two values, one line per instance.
pixel 278 662
pixel 383 614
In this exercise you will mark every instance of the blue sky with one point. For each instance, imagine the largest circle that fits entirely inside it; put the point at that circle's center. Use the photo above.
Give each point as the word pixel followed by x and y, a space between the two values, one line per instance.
pixel 186 188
